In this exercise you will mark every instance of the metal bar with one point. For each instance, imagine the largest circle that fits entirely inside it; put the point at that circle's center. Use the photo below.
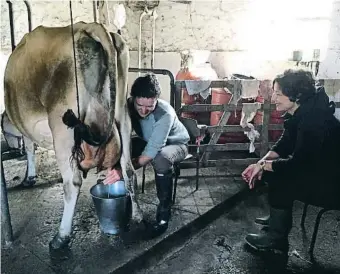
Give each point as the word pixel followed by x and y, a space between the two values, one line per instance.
pixel 94 7
pixel 29 15
pixel 164 72
pixel 6 225
pixel 178 97
pixel 11 23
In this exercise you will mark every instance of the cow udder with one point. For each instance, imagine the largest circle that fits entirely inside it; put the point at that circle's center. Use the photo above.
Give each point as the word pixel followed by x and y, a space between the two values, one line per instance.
pixel 106 157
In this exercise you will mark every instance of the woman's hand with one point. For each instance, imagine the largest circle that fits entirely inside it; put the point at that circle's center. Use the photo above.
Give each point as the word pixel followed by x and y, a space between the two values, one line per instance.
pixel 112 176
pixel 251 174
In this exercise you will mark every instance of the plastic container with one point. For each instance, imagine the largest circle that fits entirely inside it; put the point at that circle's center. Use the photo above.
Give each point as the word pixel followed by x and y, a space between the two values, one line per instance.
pixel 219 97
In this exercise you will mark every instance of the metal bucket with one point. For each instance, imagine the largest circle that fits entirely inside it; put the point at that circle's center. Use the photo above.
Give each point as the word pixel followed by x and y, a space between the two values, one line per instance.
pixel 113 206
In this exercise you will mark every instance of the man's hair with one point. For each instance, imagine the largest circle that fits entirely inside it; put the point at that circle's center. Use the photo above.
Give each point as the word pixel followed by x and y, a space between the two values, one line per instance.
pixel 297 85
pixel 146 86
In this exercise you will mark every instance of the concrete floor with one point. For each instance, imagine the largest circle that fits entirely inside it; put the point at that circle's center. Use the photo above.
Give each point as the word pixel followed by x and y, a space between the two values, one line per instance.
pixel 36 213
pixel 197 241
pixel 219 248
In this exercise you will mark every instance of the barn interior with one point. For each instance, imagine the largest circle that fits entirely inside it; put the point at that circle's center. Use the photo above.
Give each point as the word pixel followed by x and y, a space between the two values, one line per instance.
pixel 215 60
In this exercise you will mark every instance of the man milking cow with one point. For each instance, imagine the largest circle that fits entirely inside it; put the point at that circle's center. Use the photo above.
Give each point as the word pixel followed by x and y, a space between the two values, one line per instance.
pixel 161 140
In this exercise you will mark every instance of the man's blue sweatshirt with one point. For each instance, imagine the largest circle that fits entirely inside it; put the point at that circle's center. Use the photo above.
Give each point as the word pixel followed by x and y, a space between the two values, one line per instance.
pixel 160 128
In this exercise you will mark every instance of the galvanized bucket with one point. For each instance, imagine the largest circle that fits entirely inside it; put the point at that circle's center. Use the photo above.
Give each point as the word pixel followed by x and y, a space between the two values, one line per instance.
pixel 113 206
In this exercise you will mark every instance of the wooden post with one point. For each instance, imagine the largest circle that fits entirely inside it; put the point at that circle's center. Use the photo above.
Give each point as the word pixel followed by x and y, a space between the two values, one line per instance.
pixel 265 128
pixel 237 85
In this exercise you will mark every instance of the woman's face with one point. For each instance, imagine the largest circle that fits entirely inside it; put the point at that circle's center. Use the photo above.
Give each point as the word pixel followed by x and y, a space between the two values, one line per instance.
pixel 281 101
pixel 144 106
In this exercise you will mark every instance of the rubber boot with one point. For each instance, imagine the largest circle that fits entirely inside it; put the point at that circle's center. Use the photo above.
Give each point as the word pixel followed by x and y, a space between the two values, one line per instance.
pixel 164 185
pixel 275 238
pixel 263 220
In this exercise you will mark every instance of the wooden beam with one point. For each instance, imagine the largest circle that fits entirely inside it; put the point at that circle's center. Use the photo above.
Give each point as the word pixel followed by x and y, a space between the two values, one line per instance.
pixel 219 163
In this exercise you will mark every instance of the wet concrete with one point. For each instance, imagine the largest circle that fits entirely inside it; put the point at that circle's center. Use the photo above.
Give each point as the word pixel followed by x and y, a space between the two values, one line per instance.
pixel 36 214
pixel 220 248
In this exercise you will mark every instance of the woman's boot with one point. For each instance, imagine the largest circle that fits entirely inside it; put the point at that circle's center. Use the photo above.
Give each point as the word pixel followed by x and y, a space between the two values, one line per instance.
pixel 275 238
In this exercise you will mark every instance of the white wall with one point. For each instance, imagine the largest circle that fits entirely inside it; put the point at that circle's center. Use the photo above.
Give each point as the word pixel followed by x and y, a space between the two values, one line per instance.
pixel 330 68
pixel 245 36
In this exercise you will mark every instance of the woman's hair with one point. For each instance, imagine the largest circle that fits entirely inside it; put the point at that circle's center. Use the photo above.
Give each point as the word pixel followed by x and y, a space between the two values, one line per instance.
pixel 297 85
pixel 146 86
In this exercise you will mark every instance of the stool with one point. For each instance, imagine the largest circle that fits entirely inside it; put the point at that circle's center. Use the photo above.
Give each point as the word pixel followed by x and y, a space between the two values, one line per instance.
pixel 176 175
pixel 316 226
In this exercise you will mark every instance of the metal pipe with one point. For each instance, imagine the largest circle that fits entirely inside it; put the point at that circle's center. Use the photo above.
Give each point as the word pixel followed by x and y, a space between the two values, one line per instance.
pixel 154 16
pixel 164 72
pixel 11 24
pixel 140 38
pixel 29 15
pixel 94 7
pixel 6 225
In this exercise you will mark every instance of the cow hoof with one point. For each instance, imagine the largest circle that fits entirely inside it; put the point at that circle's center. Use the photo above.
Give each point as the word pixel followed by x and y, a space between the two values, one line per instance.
pixel 29 181
pixel 59 242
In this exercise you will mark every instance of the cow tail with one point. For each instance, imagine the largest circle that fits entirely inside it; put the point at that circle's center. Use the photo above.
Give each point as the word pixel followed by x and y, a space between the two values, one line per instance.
pixel 99 33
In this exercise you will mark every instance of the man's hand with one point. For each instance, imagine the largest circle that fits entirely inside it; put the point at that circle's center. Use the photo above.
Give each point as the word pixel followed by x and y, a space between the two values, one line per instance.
pixel 112 176
pixel 251 174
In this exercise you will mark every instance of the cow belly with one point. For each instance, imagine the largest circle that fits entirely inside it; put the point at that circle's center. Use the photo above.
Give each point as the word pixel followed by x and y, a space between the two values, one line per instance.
pixel 42 134
pixel 37 130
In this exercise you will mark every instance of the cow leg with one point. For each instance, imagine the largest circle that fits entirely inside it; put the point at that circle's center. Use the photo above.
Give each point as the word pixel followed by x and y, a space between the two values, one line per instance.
pixel 71 184
pixel 72 180
pixel 128 171
pixel 30 175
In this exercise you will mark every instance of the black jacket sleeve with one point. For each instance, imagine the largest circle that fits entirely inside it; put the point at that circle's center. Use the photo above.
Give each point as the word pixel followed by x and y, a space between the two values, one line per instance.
pixel 306 154
pixel 285 145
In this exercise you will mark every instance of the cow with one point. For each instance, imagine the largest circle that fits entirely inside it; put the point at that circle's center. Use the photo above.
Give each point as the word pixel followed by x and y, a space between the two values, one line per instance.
pixel 54 74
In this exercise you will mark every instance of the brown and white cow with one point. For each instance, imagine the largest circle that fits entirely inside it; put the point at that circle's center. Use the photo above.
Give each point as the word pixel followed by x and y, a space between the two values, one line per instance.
pixel 41 100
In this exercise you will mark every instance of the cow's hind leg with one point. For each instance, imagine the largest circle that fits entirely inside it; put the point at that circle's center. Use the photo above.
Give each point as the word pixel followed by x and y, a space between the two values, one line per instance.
pixel 30 176
pixel 63 142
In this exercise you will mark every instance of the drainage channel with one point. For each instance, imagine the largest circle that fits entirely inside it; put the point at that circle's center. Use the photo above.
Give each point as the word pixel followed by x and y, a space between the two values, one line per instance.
pixel 182 235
